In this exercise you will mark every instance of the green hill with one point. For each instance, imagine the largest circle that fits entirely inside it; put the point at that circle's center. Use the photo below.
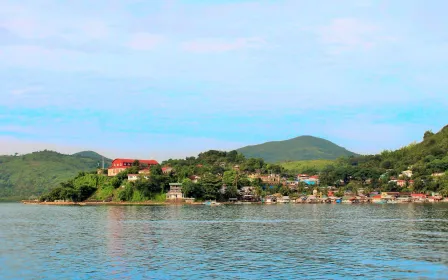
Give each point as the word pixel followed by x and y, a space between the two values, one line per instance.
pixel 299 148
pixel 38 172
pixel 424 158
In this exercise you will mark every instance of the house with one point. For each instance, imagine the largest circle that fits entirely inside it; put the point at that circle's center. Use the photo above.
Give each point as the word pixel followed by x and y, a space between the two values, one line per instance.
pixel 167 170
pixel 223 189
pixel 175 191
pixel 284 199
pixel 418 197
pixel 401 183
pixel 132 177
pixel 438 174
pixel 302 177
pixel 247 190
pixel 144 171
pixel 312 180
pixel 407 173
pixel 378 199
pixel 389 195
pixel 194 178
pixel 121 164
pixel 271 178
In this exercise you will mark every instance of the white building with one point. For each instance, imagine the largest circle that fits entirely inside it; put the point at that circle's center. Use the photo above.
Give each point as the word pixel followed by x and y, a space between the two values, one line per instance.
pixel 175 191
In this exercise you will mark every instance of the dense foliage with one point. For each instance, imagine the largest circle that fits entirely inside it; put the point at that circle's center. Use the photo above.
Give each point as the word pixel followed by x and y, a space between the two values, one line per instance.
pixel 22 176
pixel 376 171
pixel 299 148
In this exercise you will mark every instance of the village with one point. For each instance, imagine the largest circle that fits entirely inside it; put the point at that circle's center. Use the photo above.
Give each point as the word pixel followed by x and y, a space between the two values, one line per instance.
pixel 311 191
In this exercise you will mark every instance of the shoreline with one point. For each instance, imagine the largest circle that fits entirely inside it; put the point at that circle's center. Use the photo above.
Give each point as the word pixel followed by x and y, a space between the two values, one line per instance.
pixel 150 203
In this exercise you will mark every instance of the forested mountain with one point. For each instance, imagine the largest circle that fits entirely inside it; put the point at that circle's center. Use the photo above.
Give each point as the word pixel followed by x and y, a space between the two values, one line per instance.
pixel 33 174
pixel 299 148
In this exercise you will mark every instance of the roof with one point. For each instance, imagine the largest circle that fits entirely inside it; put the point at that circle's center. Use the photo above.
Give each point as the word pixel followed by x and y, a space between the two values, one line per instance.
pixel 145 161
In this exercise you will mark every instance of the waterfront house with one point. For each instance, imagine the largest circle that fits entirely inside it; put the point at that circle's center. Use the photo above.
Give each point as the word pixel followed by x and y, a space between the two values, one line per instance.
pixel 311 199
pixel 418 197
pixel 121 164
pixel 378 199
pixel 389 195
pixel 271 199
pixel 175 191
pixel 283 199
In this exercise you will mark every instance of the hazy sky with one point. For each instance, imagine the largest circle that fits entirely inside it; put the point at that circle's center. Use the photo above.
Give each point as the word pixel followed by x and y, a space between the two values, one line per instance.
pixel 170 78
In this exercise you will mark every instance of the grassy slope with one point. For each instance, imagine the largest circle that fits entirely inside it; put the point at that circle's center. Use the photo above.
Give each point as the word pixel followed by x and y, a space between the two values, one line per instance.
pixel 36 173
pixel 302 165
pixel 300 148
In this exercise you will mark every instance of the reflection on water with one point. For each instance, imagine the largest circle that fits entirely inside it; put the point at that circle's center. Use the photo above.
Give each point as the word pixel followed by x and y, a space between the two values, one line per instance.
pixel 238 241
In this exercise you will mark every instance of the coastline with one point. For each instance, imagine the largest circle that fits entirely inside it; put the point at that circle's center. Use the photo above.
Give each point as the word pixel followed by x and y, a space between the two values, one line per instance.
pixel 150 203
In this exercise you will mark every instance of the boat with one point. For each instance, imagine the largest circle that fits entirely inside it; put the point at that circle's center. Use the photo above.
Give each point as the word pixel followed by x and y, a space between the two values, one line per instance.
pixel 212 203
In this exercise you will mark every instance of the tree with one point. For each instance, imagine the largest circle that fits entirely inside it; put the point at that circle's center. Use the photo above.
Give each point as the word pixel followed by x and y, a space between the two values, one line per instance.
pixel 190 189
pixel 229 177
pixel 428 134
pixel 211 185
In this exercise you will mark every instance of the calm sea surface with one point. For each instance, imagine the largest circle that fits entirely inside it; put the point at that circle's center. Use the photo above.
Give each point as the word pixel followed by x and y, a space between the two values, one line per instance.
pixel 225 242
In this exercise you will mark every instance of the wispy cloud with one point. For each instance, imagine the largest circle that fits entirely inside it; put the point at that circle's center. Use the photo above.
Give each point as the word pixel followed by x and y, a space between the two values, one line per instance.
pixel 221 45
pixel 26 90
pixel 351 34
pixel 144 41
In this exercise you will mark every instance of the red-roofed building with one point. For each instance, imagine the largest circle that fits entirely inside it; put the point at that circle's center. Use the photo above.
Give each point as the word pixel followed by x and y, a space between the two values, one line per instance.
pixel 418 196
pixel 121 164
pixel 303 177
pixel 167 170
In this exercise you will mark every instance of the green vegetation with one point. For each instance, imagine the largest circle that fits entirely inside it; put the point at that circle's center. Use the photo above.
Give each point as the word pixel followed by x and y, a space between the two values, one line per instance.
pixel 203 177
pixel 307 166
pixel 214 168
pixel 375 171
pixel 300 148
pixel 36 173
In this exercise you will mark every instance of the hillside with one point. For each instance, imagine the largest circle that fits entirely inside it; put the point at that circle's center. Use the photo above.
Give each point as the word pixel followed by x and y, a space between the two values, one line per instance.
pixel 424 158
pixel 307 166
pixel 93 155
pixel 299 148
pixel 36 173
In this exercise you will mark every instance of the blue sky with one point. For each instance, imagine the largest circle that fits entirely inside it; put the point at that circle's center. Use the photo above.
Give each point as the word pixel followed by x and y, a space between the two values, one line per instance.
pixel 161 79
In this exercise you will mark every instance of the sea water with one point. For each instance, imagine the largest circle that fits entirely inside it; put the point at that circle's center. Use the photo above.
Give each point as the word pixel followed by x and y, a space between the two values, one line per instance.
pixel 288 241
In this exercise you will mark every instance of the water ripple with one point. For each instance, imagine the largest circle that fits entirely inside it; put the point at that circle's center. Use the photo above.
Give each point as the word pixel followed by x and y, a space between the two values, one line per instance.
pixel 228 242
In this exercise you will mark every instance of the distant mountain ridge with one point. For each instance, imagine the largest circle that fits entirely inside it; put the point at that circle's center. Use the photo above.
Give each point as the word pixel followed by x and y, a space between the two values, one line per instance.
pixel 38 172
pixel 299 148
